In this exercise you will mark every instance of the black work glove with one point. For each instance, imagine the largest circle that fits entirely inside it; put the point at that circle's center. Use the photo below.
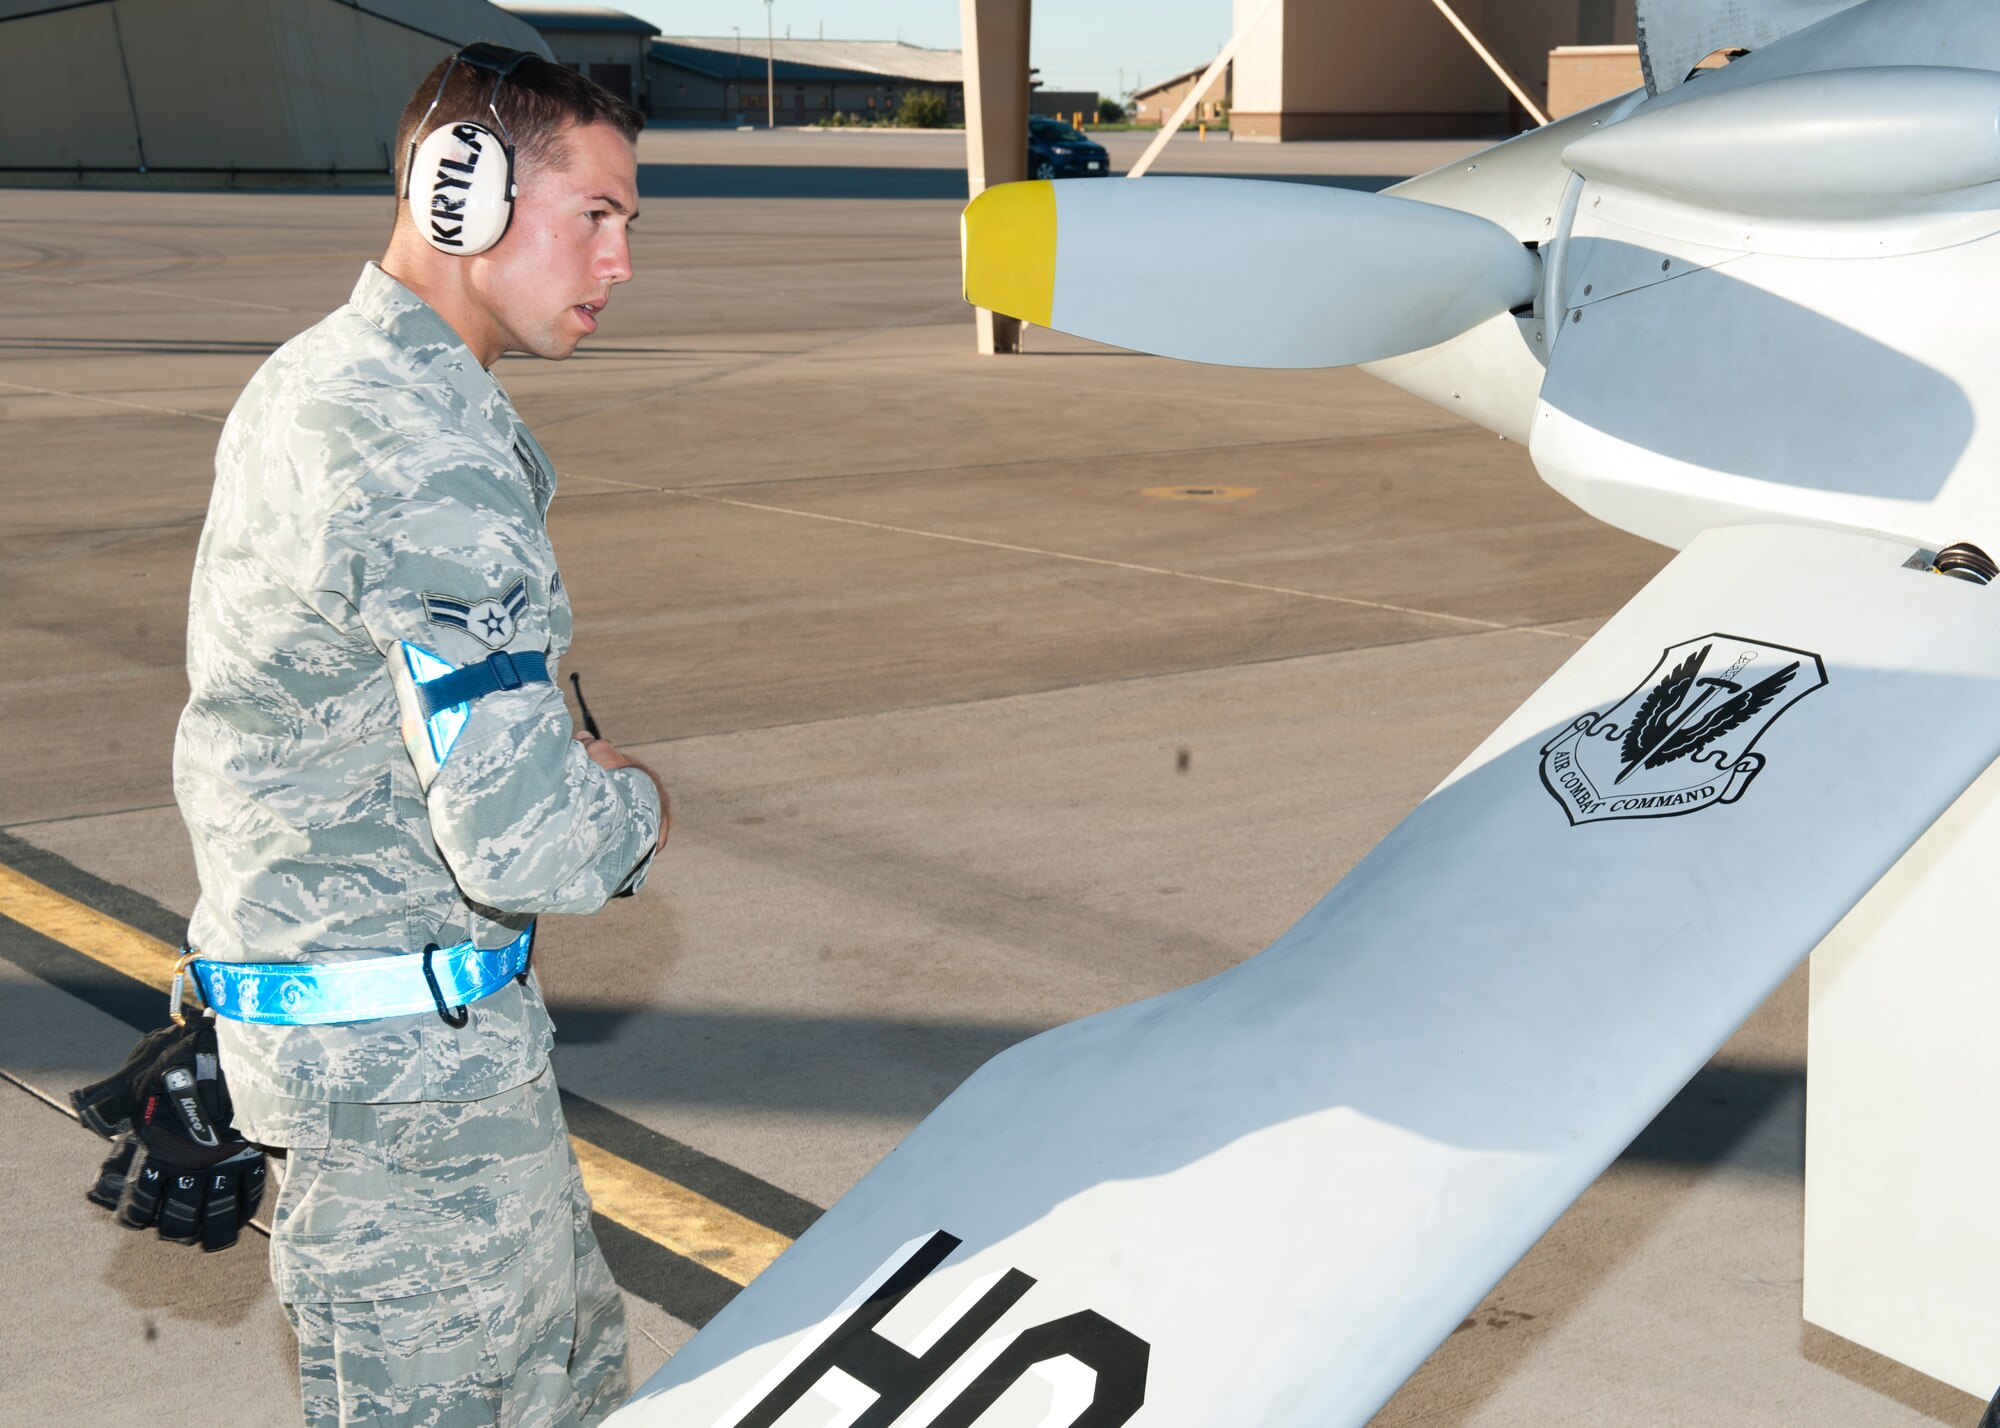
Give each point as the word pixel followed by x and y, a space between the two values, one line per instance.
pixel 108 1106
pixel 179 1166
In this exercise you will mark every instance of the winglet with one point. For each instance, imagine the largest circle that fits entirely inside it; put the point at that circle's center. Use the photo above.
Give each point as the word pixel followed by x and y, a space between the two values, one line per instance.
pixel 1008 234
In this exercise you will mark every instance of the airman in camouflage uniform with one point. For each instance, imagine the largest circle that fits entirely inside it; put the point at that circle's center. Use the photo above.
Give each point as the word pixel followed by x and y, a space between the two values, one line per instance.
pixel 432 1242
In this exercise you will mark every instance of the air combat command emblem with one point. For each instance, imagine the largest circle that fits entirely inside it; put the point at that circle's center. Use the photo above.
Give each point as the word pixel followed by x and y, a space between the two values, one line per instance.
pixel 1681 741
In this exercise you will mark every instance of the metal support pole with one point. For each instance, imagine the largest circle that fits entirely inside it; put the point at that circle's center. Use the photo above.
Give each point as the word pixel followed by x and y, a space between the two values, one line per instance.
pixel 1492 62
pixel 1223 58
pixel 996 121
pixel 770 70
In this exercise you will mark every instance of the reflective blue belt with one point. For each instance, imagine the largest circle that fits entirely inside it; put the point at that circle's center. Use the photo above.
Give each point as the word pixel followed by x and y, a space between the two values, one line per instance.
pixel 442 979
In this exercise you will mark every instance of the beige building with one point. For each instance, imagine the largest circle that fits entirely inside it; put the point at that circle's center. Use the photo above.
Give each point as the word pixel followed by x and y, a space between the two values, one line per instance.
pixel 1396 68
pixel 1583 75
pixel 1156 105
pixel 195 92
pixel 606 46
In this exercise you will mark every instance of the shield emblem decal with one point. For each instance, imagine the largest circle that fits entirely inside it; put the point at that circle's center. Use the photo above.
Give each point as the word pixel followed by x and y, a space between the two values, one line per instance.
pixel 1682 740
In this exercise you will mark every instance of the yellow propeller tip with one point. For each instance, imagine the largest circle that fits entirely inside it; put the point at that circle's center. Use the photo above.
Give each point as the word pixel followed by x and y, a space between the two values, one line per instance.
pixel 1009 239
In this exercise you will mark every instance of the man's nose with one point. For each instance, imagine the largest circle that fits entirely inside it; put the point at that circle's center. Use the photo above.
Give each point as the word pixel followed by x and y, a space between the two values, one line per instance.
pixel 614 264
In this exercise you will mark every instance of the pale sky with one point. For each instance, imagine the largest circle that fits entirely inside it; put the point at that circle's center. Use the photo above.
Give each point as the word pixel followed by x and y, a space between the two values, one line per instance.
pixel 1081 44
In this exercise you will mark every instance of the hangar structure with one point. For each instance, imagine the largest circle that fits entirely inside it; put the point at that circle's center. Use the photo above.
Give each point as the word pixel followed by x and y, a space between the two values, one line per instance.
pixel 607 46
pixel 196 92
pixel 739 79
pixel 702 78
pixel 1337 69
pixel 706 78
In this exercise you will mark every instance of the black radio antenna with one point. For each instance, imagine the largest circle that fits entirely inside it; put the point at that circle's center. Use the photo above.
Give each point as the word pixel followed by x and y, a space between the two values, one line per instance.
pixel 589 720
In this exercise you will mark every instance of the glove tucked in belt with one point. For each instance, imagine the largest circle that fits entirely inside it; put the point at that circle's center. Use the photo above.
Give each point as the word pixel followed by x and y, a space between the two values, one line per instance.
pixel 178 1164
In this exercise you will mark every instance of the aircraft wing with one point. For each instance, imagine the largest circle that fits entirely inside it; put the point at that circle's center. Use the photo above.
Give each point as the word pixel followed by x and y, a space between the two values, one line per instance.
pixel 1265 1198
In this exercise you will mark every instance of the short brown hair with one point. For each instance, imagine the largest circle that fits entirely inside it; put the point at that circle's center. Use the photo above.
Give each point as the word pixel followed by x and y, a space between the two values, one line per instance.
pixel 537 102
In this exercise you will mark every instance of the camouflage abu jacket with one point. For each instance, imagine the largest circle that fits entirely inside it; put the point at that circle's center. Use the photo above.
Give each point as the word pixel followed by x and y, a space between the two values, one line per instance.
pixel 374 484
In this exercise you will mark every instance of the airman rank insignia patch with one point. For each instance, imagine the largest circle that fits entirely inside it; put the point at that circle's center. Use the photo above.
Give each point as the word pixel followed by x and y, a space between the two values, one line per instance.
pixel 489 620
pixel 1681 741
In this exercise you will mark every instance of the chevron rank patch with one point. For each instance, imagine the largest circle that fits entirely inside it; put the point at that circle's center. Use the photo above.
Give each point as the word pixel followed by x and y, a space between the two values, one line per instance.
pixel 490 620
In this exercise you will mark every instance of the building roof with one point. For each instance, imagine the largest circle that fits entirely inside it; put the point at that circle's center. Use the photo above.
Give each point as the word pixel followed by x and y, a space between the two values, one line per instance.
pixel 1182 78
pixel 454 22
pixel 598 18
pixel 289 95
pixel 812 59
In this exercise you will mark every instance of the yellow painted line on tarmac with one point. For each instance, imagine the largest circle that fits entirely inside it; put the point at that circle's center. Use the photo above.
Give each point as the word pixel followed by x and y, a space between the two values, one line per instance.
pixel 669 1214
pixel 86 930
pixel 690 1225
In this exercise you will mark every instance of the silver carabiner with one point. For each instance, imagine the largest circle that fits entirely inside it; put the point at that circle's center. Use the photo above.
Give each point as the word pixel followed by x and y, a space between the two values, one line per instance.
pixel 179 988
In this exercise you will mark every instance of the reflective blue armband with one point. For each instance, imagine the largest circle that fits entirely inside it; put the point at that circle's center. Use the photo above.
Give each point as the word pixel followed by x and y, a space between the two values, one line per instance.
pixel 436 697
pixel 441 693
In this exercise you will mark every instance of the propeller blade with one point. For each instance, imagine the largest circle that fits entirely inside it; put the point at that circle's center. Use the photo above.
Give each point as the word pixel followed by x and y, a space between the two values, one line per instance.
pixel 1319 277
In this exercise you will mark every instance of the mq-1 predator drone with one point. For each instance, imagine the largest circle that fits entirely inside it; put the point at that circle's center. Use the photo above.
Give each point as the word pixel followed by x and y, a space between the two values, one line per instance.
pixel 1751 315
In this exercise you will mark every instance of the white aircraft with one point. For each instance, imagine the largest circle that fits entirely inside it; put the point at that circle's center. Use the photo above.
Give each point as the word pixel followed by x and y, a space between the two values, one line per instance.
pixel 1750 314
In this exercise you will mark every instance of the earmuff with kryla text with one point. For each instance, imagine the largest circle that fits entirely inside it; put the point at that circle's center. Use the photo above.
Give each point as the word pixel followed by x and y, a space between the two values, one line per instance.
pixel 459 182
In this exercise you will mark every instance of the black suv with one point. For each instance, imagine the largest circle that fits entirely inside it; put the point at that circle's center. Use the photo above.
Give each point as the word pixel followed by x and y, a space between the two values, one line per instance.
pixel 1057 151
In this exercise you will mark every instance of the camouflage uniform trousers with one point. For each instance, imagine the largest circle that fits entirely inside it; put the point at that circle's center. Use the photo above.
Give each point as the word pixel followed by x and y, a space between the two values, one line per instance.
pixel 436 1261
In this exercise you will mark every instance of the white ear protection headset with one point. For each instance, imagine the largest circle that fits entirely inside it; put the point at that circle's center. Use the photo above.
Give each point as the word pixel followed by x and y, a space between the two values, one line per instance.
pixel 459 182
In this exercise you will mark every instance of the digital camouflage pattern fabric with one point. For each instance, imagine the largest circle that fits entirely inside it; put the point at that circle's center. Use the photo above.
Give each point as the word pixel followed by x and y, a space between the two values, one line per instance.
pixel 432 1241
pixel 437 1263
pixel 374 484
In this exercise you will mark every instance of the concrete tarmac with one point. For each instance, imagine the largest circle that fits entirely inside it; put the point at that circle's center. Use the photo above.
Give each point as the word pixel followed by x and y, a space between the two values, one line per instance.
pixel 970 733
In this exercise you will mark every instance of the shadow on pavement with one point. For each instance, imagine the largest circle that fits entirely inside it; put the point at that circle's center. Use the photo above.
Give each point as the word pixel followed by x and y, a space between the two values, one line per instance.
pixel 798 181
pixel 1719 1110
pixel 827 1065
pixel 885 182
pixel 1362 183
pixel 902 1068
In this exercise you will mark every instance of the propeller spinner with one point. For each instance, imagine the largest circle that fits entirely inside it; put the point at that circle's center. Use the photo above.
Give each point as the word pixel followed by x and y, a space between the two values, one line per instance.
pixel 1327 277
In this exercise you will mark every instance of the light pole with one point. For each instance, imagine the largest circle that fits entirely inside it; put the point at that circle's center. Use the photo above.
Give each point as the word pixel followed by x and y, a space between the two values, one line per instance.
pixel 770 69
pixel 738 112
